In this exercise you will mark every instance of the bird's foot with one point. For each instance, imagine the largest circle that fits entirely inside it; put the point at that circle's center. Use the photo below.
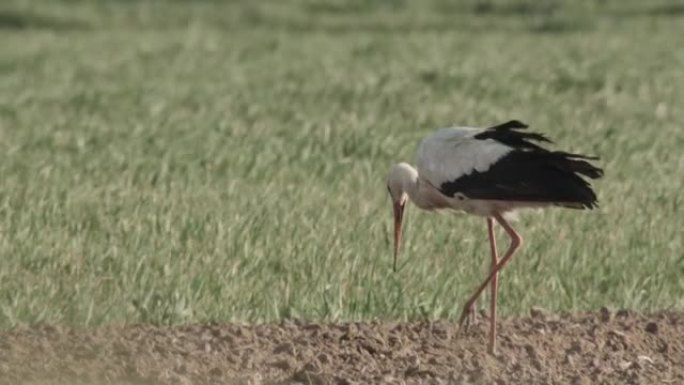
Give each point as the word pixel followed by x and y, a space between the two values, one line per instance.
pixel 468 317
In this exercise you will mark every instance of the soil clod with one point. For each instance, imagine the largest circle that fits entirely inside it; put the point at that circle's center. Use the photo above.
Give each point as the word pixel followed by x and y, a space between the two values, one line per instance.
pixel 652 327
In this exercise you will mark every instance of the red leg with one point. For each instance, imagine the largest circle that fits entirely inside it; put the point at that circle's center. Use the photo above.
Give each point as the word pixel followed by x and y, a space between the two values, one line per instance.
pixel 516 242
pixel 494 284
pixel 495 259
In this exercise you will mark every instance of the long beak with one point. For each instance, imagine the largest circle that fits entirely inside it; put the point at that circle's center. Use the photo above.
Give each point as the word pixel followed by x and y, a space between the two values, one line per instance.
pixel 398 216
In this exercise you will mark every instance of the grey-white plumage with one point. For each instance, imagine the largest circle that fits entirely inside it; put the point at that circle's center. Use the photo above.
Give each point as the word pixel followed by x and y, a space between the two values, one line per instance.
pixel 481 171
pixel 490 172
pixel 450 153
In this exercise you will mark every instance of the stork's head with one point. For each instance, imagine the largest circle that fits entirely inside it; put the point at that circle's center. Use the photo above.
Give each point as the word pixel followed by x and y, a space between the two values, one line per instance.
pixel 400 175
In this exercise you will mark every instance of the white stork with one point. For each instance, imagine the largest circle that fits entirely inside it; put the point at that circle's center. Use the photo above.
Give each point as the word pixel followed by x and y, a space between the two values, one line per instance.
pixel 490 172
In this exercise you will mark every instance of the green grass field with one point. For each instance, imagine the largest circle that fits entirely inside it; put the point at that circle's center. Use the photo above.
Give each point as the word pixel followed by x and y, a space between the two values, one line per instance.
pixel 178 161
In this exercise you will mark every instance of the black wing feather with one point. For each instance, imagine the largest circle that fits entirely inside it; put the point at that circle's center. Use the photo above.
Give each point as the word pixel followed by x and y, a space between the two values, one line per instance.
pixel 530 176
pixel 566 161
pixel 510 125
pixel 529 173
pixel 507 134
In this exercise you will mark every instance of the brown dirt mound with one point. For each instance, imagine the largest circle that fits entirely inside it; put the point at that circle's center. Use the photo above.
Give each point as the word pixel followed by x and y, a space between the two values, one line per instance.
pixel 595 348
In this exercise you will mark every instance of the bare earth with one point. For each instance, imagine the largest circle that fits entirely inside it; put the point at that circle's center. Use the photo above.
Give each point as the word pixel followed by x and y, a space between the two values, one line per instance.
pixel 596 348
